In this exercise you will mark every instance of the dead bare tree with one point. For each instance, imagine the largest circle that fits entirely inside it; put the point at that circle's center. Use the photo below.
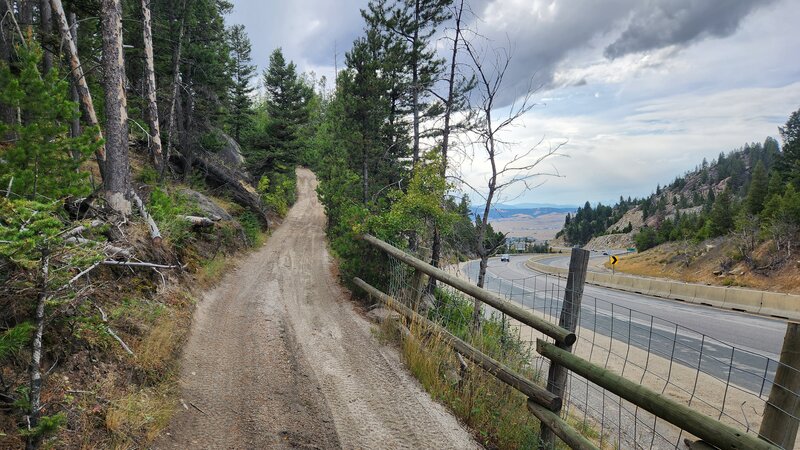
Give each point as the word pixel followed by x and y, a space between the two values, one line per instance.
pixel 117 180
pixel 508 168
pixel 150 83
pixel 76 70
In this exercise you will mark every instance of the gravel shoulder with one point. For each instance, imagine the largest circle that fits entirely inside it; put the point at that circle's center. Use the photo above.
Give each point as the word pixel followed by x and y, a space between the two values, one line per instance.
pixel 278 358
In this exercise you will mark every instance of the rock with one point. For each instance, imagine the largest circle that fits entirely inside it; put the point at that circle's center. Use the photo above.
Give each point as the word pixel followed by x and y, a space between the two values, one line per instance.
pixel 717 272
pixel 231 151
pixel 211 209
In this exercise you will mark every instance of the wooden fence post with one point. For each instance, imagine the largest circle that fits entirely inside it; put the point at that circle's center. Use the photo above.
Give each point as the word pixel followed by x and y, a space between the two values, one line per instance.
pixel 570 311
pixel 780 422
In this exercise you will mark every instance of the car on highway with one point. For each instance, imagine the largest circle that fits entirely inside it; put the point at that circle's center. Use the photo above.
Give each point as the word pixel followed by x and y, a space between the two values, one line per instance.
pixel 505 258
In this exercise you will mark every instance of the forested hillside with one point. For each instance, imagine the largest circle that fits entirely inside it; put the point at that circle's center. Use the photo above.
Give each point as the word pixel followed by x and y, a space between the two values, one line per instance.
pixel 135 159
pixel 749 196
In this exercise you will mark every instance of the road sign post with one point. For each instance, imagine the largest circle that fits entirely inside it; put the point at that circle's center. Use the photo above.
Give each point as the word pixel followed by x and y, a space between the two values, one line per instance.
pixel 613 260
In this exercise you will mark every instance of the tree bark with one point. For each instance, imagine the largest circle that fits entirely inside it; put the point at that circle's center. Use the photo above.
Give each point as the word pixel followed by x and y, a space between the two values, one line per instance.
pixel 25 15
pixel 36 353
pixel 117 181
pixel 436 248
pixel 75 124
pixel 176 79
pixel 6 112
pixel 150 83
pixel 46 24
pixel 415 82
pixel 79 80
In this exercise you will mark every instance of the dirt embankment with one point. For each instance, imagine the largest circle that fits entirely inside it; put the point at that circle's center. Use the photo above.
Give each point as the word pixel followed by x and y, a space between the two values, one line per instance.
pixel 711 262
pixel 278 358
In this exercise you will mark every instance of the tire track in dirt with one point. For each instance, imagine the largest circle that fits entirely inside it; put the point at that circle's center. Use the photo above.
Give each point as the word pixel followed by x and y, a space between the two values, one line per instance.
pixel 278 358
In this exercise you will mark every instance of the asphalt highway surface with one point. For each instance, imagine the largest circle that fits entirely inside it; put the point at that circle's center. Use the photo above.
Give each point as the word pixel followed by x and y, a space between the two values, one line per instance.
pixel 693 335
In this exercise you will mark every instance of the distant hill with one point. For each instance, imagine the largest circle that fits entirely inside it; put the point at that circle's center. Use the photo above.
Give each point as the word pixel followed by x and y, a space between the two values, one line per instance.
pixel 700 204
pixel 531 210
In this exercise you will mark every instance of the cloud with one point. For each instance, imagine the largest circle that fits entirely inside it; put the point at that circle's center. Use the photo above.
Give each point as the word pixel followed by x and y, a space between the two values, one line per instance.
pixel 658 24
pixel 545 35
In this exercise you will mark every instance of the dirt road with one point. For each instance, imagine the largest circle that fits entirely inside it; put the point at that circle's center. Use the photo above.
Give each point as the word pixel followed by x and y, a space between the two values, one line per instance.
pixel 278 358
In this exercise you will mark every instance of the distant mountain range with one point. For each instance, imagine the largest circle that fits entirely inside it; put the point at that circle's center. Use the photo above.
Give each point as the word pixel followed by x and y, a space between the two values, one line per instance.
pixel 503 211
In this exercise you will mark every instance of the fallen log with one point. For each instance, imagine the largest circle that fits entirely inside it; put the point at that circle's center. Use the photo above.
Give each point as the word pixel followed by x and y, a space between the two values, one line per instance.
pixel 155 234
pixel 109 262
pixel 79 230
pixel 110 250
pixel 242 191
pixel 198 221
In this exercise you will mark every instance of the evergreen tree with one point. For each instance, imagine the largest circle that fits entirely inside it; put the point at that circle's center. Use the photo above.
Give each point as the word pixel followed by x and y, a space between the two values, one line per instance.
pixel 757 193
pixel 722 214
pixel 286 106
pixel 775 185
pixel 790 160
pixel 242 72
pixel 416 21
pixel 42 161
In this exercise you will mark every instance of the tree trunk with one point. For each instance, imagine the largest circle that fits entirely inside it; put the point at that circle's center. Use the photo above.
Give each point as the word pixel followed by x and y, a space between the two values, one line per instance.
pixel 75 124
pixel 150 83
pixel 365 176
pixel 436 249
pixel 6 112
pixel 117 181
pixel 25 15
pixel 36 351
pixel 79 80
pixel 415 82
pixel 186 137
pixel 46 23
pixel 176 79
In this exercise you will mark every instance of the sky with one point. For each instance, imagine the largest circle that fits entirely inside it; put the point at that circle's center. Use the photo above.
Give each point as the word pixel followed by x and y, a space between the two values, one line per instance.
pixel 635 92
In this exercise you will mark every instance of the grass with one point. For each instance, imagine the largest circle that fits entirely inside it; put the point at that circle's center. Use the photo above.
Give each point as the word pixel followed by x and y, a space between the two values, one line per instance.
pixel 143 413
pixel 496 412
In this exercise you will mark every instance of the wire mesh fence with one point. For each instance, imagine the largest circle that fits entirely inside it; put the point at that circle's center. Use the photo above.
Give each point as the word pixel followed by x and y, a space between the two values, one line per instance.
pixel 728 383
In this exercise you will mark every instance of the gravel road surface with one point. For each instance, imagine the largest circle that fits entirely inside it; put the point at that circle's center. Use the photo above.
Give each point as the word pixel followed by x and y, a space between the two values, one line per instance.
pixel 278 358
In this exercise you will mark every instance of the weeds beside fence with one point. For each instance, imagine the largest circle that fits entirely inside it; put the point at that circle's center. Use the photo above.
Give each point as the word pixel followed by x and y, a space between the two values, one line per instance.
pixel 728 384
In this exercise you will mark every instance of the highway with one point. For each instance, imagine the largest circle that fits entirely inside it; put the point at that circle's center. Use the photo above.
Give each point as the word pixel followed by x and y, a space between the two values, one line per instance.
pixel 694 335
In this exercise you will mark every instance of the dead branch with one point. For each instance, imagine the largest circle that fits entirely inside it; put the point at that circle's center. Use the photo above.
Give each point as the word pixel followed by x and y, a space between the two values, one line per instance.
pixel 139 264
pixel 79 230
pixel 119 339
pixel 155 234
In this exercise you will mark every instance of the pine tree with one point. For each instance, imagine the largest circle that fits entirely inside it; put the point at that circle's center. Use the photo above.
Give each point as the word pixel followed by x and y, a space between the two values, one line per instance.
pixel 790 160
pixel 721 219
pixel 242 72
pixel 41 162
pixel 286 105
pixel 416 22
pixel 757 193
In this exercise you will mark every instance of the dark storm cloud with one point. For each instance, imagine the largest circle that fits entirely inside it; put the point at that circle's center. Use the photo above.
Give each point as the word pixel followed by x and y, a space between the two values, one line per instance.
pixel 658 24
pixel 542 34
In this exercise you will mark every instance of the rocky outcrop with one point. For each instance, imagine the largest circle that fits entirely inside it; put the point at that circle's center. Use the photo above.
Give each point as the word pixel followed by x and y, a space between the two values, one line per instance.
pixel 208 206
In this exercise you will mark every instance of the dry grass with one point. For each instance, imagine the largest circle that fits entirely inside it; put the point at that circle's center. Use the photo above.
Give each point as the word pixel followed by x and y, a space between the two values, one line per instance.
pixel 496 413
pixel 695 263
pixel 142 414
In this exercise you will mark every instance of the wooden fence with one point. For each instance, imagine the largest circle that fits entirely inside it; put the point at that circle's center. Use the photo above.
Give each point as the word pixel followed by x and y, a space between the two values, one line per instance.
pixel 545 404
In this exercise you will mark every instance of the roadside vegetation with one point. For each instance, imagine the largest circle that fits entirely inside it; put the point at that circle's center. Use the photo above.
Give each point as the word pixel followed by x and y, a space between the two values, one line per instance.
pixel 113 220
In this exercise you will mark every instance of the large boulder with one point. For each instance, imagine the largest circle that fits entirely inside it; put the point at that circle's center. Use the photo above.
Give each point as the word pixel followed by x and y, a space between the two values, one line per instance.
pixel 231 151
pixel 207 205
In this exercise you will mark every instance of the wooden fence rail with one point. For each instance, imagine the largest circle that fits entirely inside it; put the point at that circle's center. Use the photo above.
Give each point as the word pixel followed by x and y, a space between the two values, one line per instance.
pixel 543 404
pixel 528 318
